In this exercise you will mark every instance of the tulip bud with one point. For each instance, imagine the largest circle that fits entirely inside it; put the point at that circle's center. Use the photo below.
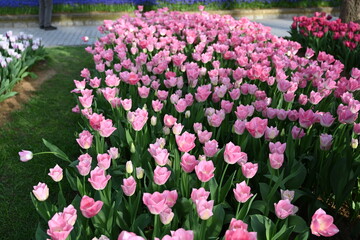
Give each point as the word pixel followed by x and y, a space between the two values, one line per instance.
pixel 41 191
pixel 129 167
pixel 132 148
pixel 139 172
pixel 202 158
pixel 187 114
pixel 354 143
pixel 153 121
pixel 166 130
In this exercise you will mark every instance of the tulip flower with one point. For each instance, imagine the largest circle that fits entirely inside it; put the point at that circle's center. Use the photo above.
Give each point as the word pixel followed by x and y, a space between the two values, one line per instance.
pixel 89 208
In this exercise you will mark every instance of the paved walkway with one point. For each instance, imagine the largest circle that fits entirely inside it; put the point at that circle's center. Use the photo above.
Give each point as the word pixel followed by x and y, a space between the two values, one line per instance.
pixel 69 36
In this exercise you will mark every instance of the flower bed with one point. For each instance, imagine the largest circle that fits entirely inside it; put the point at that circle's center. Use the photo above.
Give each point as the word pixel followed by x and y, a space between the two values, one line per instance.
pixel 199 126
pixel 321 33
pixel 17 54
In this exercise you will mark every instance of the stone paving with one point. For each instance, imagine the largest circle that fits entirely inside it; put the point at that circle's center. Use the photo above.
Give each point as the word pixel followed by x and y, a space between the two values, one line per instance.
pixel 71 35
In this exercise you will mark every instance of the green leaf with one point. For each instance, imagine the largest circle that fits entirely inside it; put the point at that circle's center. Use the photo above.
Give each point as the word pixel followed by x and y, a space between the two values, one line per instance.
pixel 213 188
pixel 40 233
pixel 215 223
pixel 259 205
pixel 226 188
pixel 264 190
pixel 57 152
pixel 71 180
pixel 142 221
pixel 297 180
pixel 262 225
pixel 245 209
pixel 299 224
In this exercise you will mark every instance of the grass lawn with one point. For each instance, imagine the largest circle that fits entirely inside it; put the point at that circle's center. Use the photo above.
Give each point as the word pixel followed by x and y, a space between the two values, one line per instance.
pixel 47 115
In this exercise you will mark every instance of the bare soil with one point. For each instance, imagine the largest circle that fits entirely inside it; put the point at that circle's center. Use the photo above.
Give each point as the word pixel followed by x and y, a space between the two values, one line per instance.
pixel 25 89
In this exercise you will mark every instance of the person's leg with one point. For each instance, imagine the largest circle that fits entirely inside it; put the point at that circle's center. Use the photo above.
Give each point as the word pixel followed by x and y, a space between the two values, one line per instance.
pixel 48 12
pixel 41 13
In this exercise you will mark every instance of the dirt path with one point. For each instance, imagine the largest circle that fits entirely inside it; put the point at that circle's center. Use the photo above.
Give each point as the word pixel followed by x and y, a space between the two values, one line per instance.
pixel 25 89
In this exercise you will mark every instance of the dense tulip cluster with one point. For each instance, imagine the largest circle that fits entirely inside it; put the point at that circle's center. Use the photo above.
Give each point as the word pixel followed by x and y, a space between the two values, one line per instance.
pixel 322 33
pixel 218 118
pixel 17 54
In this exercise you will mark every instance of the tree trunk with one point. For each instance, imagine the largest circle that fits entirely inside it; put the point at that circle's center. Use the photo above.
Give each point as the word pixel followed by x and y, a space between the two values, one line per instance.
pixel 350 10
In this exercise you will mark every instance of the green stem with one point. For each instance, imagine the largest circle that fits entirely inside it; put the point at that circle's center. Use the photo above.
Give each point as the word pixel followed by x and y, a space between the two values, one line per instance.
pixel 156 223
pixel 222 179
pixel 45 153
pixel 238 211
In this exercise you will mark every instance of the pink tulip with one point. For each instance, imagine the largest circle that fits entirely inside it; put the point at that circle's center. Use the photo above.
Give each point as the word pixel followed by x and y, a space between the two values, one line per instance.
pixel 41 191
pixel 114 153
pixel 25 155
pixel 284 208
pixel 106 128
pixel 256 127
pixel 177 128
pixel 249 169
pixel 104 161
pixel 211 148
pixel 322 224
pixel 161 175
pixel 86 101
pixel 59 228
pixel 166 216
pixel 306 118
pixel 203 136
pixel 188 162
pixel 203 92
pixel 326 119
pixel 277 147
pixel 204 208
pixel 89 208
pixel 127 104
pixel 85 139
pixel 242 192
pixel 169 120
pixel 156 202
pixel 271 133
pixel 170 197
pixel 143 91
pixel 205 170
pixel 287 194
pixel 239 127
pixel 356 128
pixel 185 142
pixel 129 186
pixel 157 105
pixel 297 133
pixel 98 179
pixel 85 73
pixel 56 173
pixel 95 120
pixel 198 127
pixel 227 106
pixel 199 194
pixel 124 235
pixel 237 224
pixel 233 154
pixel 84 165
pixel 181 105
pixel 240 233
pixel 276 160
pixel 179 234
pixel 325 141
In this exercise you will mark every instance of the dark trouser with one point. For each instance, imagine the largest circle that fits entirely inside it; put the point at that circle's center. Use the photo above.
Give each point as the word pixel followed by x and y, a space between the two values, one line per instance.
pixel 45 12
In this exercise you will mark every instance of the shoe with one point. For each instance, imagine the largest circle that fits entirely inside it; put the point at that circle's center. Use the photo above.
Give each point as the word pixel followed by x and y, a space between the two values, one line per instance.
pixel 42 27
pixel 49 28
